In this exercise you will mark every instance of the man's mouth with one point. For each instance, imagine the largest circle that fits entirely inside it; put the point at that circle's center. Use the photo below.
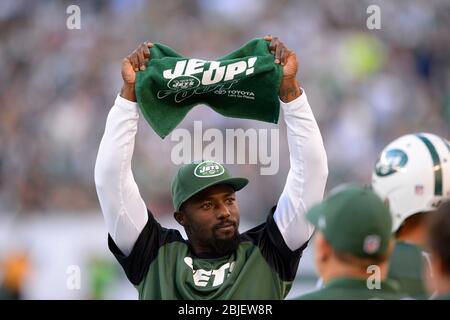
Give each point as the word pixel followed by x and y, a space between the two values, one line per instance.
pixel 226 226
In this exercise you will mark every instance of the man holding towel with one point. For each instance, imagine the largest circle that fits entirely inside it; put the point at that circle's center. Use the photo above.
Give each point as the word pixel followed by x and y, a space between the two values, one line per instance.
pixel 216 262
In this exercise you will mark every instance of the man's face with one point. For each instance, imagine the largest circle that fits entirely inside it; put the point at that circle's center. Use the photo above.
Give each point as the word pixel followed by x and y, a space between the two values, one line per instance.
pixel 211 220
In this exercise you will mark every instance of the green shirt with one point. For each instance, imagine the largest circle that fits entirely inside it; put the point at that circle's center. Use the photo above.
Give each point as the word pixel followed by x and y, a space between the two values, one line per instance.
pixel 162 265
pixel 345 288
pixel 406 267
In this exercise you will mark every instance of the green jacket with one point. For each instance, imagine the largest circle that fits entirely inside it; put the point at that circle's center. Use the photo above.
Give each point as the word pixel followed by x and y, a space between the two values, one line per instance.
pixel 406 266
pixel 346 288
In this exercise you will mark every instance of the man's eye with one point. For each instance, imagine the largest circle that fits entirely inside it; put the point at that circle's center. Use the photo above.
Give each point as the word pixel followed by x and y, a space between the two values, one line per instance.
pixel 206 206
pixel 230 200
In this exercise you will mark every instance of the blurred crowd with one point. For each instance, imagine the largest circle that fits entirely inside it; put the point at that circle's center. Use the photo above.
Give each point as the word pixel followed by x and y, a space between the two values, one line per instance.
pixel 366 87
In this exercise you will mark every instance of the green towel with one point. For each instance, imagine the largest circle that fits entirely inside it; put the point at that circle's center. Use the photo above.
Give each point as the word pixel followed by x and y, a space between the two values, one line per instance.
pixel 241 84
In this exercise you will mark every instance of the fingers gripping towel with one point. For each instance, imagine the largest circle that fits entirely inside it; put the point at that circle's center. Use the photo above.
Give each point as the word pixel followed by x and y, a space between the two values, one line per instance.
pixel 241 84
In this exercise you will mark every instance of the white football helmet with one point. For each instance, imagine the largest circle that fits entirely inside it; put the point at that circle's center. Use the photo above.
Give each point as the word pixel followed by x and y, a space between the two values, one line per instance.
pixel 412 174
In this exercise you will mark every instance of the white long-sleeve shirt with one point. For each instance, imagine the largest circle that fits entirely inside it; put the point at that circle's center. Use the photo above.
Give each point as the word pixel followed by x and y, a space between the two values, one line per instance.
pixel 125 212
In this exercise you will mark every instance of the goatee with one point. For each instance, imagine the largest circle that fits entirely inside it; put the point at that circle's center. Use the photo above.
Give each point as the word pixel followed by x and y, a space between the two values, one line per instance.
pixel 224 247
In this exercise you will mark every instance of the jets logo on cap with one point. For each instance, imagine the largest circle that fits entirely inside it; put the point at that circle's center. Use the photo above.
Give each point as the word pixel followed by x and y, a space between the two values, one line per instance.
pixel 207 169
pixel 371 244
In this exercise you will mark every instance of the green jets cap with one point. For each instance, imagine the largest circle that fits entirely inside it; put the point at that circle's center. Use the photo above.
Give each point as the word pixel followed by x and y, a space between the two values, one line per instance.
pixel 195 177
pixel 353 220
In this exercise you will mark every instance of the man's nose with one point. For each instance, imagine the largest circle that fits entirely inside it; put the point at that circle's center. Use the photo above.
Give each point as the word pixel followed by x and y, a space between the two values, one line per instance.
pixel 222 211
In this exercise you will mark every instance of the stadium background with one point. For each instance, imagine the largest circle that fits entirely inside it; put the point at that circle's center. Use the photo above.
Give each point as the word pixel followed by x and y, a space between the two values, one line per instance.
pixel 366 87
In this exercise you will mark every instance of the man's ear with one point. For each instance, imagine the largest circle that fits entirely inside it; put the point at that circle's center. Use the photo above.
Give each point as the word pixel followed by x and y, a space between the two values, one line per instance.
pixel 322 247
pixel 437 264
pixel 179 216
pixel 391 247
